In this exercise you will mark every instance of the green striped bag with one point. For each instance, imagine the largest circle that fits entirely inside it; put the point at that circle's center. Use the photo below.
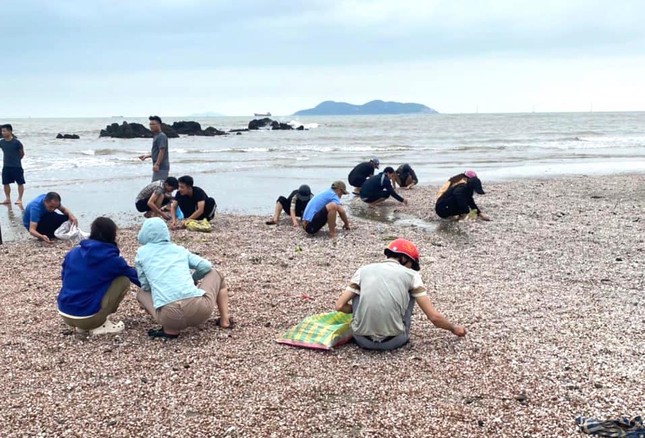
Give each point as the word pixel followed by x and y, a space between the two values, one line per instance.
pixel 323 331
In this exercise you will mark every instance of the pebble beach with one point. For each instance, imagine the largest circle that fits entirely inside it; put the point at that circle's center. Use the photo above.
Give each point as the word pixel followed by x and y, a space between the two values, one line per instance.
pixel 551 292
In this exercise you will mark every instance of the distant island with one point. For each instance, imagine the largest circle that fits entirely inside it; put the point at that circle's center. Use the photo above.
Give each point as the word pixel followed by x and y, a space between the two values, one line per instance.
pixel 375 107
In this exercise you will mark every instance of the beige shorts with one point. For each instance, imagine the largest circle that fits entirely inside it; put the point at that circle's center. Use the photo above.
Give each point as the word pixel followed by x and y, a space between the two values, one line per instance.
pixel 189 312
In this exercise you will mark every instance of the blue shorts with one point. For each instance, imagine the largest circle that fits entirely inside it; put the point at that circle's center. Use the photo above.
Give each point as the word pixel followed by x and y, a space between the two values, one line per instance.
pixel 13 175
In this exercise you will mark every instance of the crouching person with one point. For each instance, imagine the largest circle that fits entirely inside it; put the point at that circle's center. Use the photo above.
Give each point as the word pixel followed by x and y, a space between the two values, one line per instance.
pixel 382 298
pixel 169 291
pixel 95 280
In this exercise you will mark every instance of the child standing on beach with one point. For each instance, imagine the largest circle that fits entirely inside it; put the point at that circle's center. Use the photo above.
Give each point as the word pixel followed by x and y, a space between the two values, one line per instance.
pixel 12 172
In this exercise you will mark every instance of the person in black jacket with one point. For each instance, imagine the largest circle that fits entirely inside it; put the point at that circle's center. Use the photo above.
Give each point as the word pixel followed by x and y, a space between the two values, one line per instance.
pixel 378 188
pixel 361 173
pixel 294 205
pixel 406 177
pixel 457 202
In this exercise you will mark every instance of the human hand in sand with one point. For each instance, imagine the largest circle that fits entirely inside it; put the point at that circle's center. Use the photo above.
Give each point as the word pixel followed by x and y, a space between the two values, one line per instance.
pixel 459 331
pixel 346 227
pixel 405 202
pixel 46 239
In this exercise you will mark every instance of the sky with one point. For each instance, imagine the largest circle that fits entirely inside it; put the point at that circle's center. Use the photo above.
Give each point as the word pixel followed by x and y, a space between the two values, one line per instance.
pixel 79 58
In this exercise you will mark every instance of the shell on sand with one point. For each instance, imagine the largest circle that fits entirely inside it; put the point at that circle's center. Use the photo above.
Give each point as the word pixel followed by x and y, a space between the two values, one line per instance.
pixel 551 291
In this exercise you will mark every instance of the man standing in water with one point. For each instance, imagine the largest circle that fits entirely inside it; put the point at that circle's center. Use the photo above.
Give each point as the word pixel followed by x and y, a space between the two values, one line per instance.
pixel 159 152
pixel 12 171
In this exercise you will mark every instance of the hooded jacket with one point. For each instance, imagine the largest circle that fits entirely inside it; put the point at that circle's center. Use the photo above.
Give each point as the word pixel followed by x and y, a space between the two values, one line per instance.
pixel 457 200
pixel 164 268
pixel 88 271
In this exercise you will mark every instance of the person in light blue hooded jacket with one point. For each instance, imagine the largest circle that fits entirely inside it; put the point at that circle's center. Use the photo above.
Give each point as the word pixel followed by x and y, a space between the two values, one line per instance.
pixel 169 291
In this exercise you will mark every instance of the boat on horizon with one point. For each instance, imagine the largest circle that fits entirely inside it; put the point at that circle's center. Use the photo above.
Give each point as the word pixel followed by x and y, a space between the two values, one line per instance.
pixel 267 114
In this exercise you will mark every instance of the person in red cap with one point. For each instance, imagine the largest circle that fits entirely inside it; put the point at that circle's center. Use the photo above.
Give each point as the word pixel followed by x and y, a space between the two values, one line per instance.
pixel 382 298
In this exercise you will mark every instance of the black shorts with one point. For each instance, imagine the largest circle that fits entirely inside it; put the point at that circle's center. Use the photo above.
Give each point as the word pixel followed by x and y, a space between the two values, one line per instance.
pixel 318 221
pixel 142 204
pixel 357 181
pixel 373 197
pixel 286 205
pixel 448 209
pixel 13 175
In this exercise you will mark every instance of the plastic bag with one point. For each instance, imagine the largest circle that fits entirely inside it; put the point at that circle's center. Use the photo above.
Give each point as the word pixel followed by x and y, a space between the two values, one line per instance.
pixel 69 231
pixel 323 331
pixel 195 225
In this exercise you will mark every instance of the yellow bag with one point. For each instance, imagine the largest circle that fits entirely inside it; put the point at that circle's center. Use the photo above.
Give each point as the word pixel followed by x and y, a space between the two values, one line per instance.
pixel 195 225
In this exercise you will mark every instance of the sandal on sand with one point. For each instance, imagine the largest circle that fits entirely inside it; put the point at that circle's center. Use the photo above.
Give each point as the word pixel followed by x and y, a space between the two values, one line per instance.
pixel 159 333
pixel 231 324
pixel 271 222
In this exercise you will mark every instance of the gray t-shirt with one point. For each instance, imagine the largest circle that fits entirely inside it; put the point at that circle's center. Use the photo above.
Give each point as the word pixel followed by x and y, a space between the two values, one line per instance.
pixel 386 290
pixel 160 141
pixel 11 150
pixel 153 187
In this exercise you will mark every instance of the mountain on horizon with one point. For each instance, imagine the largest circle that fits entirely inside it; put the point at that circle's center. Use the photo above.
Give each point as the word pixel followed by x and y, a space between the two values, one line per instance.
pixel 375 107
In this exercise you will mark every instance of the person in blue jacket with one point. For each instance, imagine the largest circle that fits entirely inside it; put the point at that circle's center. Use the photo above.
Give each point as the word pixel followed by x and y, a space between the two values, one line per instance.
pixel 95 281
pixel 169 291
pixel 379 187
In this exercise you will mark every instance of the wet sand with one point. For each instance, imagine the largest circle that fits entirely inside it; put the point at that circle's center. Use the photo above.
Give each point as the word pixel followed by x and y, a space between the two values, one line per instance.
pixel 551 291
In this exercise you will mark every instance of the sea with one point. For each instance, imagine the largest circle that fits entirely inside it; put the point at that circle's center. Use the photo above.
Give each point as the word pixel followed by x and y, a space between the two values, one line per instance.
pixel 246 173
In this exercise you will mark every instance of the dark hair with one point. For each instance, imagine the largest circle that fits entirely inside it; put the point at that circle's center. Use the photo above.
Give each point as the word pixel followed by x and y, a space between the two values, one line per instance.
pixel 401 258
pixel 104 230
pixel 172 182
pixel 186 180
pixel 456 178
pixel 388 169
pixel 52 196
pixel 7 126
pixel 155 119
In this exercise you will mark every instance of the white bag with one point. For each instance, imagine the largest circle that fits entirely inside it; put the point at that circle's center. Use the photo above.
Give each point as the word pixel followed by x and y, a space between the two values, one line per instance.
pixel 69 231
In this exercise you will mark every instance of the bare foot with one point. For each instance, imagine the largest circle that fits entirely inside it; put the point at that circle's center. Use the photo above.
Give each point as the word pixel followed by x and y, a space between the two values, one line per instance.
pixel 6 202
pixel 19 202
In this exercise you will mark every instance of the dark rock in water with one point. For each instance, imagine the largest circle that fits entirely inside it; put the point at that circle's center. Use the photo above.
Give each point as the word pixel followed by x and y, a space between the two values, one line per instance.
pixel 280 126
pixel 267 123
pixel 187 128
pixel 239 130
pixel 210 132
pixel 256 124
pixel 238 133
pixel 134 130
pixel 194 128
pixel 300 128
pixel 170 133
pixel 68 136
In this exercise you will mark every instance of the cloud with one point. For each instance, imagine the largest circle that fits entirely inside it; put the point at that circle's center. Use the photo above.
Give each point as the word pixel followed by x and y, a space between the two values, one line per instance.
pixel 75 57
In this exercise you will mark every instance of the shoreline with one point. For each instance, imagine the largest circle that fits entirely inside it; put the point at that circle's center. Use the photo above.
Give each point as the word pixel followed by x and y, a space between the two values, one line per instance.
pixel 551 292
pixel 90 197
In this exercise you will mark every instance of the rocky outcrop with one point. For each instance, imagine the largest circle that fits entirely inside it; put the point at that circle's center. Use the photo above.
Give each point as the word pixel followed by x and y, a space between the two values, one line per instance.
pixel 267 123
pixel 68 136
pixel 194 128
pixel 134 130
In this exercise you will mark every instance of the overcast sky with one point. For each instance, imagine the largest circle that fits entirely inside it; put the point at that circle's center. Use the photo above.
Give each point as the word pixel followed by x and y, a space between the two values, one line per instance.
pixel 177 57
